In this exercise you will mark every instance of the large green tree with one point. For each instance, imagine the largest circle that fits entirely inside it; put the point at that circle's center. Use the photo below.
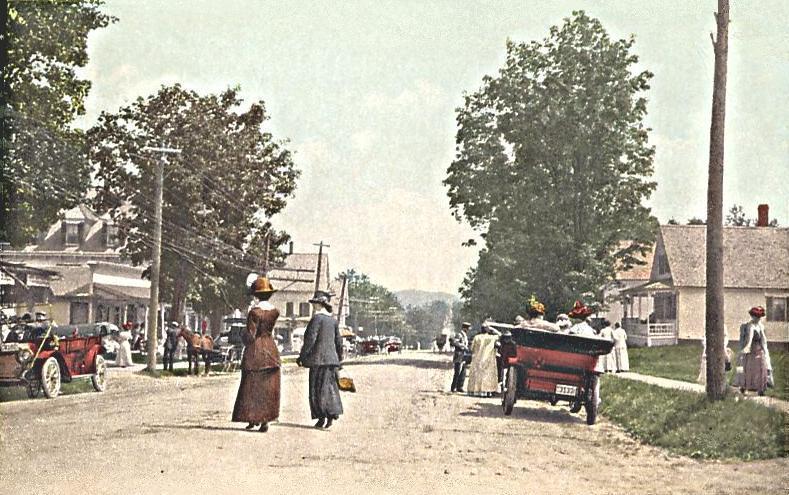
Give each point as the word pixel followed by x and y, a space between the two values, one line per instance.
pixel 230 176
pixel 552 167
pixel 44 165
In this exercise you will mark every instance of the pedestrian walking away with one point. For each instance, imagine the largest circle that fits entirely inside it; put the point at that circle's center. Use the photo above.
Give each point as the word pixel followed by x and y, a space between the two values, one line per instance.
pixel 460 357
pixel 258 398
pixel 322 354
pixel 483 377
pixel 170 344
pixel 621 359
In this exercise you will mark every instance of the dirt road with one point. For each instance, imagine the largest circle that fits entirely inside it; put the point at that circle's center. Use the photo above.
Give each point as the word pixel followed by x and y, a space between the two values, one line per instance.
pixel 401 433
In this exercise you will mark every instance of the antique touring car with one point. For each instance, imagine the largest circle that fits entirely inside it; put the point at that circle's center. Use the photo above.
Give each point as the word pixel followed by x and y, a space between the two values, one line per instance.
pixel 550 366
pixel 42 364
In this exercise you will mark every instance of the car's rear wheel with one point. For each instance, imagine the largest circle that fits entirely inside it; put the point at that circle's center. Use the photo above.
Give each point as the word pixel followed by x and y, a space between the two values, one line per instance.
pixel 50 378
pixel 510 390
pixel 99 378
pixel 592 398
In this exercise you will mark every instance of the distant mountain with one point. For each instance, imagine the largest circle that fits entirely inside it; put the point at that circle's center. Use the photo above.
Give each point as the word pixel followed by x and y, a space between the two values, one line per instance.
pixel 420 297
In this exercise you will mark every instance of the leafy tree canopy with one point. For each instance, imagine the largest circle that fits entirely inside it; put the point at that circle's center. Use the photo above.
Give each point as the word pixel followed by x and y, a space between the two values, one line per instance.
pixel 229 177
pixel 552 166
pixel 373 307
pixel 44 162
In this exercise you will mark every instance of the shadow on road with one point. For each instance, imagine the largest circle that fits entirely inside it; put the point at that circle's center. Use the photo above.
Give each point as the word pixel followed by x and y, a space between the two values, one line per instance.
pixel 556 416
pixel 239 428
pixel 402 361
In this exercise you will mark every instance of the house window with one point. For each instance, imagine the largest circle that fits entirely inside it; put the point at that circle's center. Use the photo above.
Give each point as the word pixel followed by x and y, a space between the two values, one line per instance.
pixel 72 234
pixel 304 309
pixel 112 236
pixel 776 308
pixel 289 309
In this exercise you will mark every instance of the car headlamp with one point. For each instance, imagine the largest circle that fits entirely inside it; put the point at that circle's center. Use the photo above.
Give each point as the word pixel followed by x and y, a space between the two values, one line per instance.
pixel 24 354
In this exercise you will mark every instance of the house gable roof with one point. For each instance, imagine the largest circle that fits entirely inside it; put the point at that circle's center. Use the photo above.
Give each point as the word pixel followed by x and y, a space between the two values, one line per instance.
pixel 296 281
pixel 753 257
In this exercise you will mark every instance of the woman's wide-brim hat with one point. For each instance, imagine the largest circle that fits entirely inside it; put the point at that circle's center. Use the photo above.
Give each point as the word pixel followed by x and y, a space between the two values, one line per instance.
pixel 756 311
pixel 580 310
pixel 261 285
pixel 321 297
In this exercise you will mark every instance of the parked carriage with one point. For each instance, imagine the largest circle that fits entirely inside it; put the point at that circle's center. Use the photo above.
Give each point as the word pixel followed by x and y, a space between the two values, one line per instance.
pixel 544 365
pixel 62 355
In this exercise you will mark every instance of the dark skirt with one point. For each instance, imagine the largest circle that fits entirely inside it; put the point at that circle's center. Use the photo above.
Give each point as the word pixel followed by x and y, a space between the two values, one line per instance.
pixel 258 396
pixel 324 393
pixel 755 368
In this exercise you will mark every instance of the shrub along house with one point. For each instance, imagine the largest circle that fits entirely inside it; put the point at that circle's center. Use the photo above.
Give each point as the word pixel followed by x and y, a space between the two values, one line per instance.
pixel 94 283
pixel 671 305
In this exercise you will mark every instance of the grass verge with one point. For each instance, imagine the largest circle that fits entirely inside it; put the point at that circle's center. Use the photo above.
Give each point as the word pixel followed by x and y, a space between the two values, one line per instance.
pixel 687 423
pixel 682 361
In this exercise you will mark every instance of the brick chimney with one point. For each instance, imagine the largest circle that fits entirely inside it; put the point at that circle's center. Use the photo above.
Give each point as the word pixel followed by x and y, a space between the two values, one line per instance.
pixel 764 216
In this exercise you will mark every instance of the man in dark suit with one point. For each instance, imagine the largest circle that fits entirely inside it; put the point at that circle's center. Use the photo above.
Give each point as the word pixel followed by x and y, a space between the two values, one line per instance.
pixel 170 345
pixel 460 343
pixel 322 353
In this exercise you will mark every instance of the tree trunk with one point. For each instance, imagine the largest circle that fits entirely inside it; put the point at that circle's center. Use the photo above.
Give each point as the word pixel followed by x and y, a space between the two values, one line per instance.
pixel 716 384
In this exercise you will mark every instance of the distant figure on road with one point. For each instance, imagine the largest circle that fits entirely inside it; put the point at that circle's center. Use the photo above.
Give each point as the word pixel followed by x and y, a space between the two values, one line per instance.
pixel 621 360
pixel 257 402
pixel 483 377
pixel 123 338
pixel 322 354
pixel 754 357
pixel 460 357
pixel 170 345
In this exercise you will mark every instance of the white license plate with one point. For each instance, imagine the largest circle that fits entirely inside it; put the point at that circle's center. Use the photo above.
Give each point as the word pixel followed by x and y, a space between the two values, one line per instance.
pixel 566 390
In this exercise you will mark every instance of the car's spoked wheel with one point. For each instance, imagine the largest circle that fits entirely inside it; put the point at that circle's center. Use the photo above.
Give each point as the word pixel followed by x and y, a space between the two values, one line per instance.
pixel 50 378
pixel 99 378
pixel 510 389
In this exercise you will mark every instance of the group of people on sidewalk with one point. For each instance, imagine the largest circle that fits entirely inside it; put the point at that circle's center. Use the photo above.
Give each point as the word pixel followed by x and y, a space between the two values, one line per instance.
pixel 258 399
pixel 754 370
pixel 482 360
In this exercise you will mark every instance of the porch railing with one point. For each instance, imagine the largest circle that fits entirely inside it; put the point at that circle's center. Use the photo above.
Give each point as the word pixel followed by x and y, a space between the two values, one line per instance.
pixel 649 334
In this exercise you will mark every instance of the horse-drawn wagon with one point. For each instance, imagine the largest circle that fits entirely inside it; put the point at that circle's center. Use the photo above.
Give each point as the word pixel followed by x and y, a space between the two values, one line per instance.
pixel 61 355
pixel 544 365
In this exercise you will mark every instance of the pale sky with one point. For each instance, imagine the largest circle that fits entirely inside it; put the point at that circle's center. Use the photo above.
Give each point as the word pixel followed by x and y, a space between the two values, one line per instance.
pixel 366 92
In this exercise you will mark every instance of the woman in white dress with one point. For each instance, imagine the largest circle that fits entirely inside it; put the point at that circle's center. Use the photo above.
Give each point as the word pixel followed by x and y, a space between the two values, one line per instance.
pixel 483 377
pixel 123 338
pixel 609 361
pixel 621 360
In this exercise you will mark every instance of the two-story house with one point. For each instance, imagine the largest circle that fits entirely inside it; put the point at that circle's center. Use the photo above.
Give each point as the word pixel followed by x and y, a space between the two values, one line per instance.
pixel 94 283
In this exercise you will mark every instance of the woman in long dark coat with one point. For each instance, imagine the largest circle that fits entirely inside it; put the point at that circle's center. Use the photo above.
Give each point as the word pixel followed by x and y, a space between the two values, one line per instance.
pixel 322 353
pixel 257 402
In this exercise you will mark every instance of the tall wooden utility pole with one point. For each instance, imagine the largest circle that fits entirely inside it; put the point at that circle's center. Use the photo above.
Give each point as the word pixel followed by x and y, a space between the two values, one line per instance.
pixel 320 245
pixel 156 255
pixel 716 383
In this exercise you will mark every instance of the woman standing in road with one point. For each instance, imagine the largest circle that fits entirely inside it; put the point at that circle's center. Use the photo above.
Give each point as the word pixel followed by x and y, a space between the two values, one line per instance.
pixel 322 353
pixel 257 402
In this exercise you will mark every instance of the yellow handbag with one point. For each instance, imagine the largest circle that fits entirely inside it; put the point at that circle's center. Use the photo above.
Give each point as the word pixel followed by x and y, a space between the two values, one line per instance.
pixel 344 381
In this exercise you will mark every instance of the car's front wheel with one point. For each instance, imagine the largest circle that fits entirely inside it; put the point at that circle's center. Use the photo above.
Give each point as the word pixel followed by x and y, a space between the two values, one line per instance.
pixel 50 378
pixel 99 378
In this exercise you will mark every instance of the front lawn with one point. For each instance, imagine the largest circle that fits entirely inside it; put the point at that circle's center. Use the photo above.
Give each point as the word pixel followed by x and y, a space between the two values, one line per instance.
pixel 687 423
pixel 682 361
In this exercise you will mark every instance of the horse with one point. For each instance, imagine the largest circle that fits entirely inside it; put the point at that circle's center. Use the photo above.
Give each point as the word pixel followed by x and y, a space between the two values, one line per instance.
pixel 197 345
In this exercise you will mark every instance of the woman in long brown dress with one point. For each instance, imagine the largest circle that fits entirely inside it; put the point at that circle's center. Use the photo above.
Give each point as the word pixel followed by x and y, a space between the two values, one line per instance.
pixel 257 402
pixel 755 357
